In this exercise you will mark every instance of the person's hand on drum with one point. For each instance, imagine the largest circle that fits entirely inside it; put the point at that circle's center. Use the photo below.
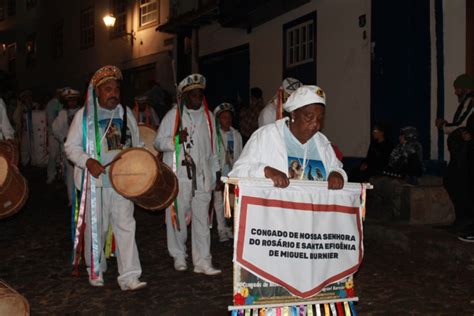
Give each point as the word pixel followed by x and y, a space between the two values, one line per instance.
pixel 280 180
pixel 183 135
pixel 335 181
pixel 94 167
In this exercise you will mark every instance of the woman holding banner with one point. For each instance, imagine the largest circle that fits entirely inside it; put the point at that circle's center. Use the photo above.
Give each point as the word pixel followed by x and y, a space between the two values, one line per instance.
pixel 271 150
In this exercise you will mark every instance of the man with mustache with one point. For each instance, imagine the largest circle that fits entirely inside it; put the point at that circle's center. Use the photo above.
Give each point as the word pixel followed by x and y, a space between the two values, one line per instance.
pixel 98 132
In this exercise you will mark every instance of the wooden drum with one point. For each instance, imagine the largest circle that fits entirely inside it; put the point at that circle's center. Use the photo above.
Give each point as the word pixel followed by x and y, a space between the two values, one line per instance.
pixel 12 303
pixel 142 178
pixel 13 189
pixel 147 135
pixel 10 151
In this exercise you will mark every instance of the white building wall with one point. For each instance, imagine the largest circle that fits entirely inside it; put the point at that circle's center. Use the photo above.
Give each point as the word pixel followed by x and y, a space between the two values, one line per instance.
pixel 343 66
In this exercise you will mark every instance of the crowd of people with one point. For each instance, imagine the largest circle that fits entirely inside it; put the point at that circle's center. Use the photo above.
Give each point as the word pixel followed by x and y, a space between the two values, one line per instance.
pixel 283 141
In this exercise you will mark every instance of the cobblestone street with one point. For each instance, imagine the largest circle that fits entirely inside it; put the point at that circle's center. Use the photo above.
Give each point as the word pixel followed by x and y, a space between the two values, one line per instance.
pixel 414 270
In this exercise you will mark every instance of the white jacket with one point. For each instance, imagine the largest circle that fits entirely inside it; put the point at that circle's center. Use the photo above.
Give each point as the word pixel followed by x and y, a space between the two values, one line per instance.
pixel 266 147
pixel 203 154
pixel 74 149
pixel 60 126
pixel 268 113
pixel 237 146
pixel 6 129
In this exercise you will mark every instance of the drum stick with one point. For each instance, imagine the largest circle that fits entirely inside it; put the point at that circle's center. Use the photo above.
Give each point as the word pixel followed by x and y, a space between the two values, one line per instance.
pixel 112 162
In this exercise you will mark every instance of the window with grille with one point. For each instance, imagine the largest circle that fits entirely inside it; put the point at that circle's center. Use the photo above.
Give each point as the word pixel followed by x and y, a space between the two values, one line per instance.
pixel 300 44
pixel 148 12
pixel 11 5
pixel 58 39
pixel 119 11
pixel 87 28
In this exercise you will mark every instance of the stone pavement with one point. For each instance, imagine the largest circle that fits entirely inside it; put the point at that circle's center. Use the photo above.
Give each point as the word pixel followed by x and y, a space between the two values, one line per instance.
pixel 412 270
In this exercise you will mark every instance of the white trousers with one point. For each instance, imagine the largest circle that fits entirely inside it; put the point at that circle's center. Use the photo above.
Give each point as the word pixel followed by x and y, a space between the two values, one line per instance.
pixel 53 153
pixel 201 235
pixel 117 211
pixel 219 211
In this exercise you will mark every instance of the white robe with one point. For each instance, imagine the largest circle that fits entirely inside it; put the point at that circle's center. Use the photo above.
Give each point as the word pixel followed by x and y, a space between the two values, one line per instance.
pixel 202 152
pixel 73 146
pixel 237 146
pixel 266 147
pixel 268 113
pixel 207 165
pixel 218 195
pixel 52 111
pixel 6 129
pixel 60 128
pixel 112 207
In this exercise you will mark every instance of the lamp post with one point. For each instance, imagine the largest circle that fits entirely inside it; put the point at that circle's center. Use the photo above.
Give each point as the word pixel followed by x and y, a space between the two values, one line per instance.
pixel 109 21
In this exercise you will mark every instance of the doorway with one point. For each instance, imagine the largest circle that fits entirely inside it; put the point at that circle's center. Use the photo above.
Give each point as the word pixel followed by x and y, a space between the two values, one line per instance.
pixel 401 57
pixel 228 77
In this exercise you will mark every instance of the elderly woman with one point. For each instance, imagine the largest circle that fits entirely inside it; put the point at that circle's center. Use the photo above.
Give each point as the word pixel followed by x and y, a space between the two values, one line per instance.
pixel 271 150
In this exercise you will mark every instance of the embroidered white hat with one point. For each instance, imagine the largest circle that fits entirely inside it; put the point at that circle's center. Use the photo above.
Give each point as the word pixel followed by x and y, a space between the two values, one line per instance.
pixel 141 98
pixel 223 107
pixel 69 93
pixel 290 85
pixel 305 95
pixel 194 81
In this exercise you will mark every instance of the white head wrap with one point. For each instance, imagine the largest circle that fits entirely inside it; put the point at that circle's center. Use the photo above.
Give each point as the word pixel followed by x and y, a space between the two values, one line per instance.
pixel 303 96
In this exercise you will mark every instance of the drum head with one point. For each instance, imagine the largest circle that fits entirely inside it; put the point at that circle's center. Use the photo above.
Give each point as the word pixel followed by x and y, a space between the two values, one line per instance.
pixel 147 135
pixel 3 169
pixel 134 173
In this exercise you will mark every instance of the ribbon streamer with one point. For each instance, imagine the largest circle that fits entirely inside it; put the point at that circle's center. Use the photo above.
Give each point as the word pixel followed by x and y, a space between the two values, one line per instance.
pixel 351 304
pixel 318 310
pixel 326 310
pixel 347 309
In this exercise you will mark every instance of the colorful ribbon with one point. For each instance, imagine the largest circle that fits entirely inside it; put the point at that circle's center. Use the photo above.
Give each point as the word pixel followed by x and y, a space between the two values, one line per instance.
pixel 353 310
pixel 318 310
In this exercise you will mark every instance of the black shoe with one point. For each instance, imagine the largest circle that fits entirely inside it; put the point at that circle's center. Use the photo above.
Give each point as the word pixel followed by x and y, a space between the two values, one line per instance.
pixel 467 237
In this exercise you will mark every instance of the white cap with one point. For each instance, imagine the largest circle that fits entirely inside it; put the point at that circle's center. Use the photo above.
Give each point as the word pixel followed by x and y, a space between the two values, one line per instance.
pixel 194 81
pixel 223 107
pixel 290 85
pixel 69 93
pixel 303 96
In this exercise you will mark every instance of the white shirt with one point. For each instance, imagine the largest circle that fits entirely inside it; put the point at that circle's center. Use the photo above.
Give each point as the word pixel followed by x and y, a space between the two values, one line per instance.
pixel 268 113
pixel 74 147
pixel 61 124
pixel 266 147
pixel 199 143
pixel 52 111
pixel 223 149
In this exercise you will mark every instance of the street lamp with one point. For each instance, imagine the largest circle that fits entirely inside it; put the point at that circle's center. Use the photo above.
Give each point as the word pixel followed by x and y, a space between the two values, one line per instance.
pixel 109 21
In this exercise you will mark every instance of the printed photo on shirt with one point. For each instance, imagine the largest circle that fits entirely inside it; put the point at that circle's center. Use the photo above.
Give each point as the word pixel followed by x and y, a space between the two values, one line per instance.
pixel 114 134
pixel 314 169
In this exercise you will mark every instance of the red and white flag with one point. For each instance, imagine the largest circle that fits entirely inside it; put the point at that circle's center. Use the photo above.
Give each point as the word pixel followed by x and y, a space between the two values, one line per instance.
pixel 303 237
